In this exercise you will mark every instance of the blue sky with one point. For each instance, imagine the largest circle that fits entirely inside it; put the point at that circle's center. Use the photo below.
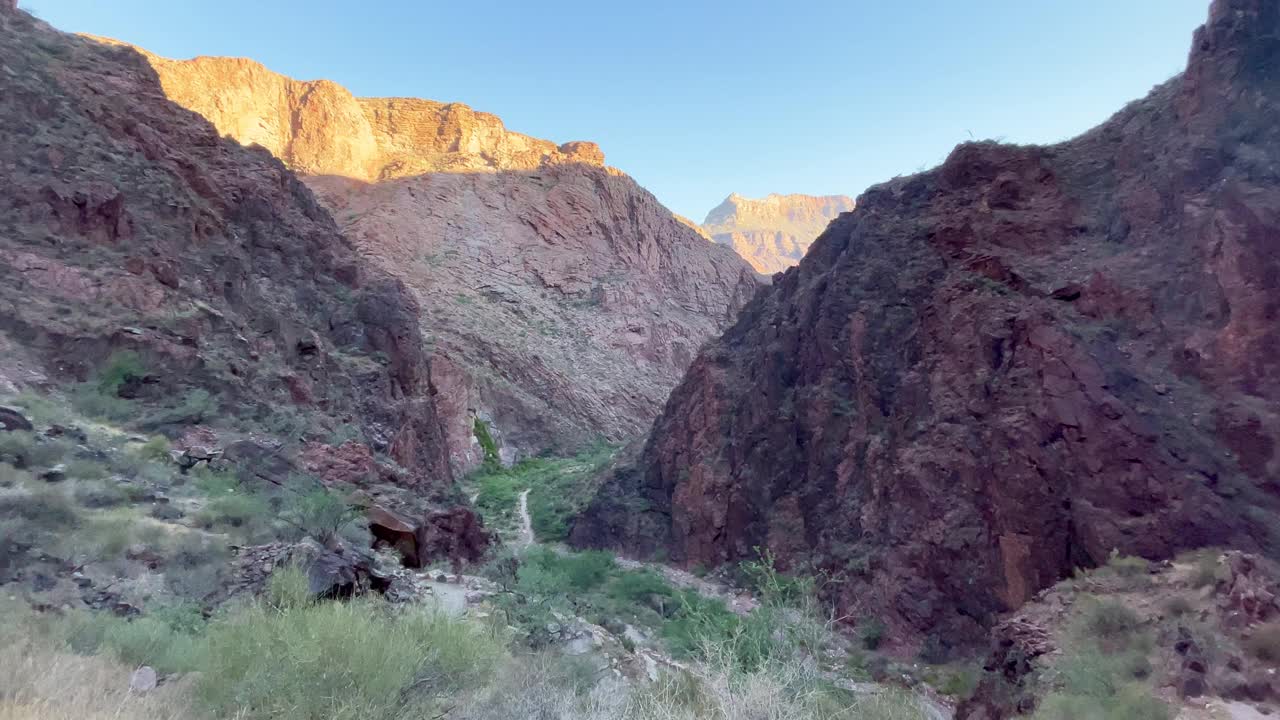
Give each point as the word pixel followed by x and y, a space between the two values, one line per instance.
pixel 700 99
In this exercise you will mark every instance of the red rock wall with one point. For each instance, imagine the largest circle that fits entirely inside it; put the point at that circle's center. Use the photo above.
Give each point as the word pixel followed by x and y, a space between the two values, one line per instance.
pixel 1003 368
pixel 129 223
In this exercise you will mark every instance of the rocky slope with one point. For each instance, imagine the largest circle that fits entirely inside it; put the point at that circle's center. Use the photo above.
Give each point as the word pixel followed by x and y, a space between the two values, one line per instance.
pixel 774 232
pixel 201 273
pixel 1003 368
pixel 563 301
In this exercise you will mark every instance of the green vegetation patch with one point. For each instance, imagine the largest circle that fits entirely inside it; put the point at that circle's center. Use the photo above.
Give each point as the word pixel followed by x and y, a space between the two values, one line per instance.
pixel 1105 669
pixel 558 489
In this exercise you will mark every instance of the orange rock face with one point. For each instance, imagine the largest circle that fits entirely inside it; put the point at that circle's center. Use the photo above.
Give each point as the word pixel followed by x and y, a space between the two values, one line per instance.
pixel 563 301
pixel 774 232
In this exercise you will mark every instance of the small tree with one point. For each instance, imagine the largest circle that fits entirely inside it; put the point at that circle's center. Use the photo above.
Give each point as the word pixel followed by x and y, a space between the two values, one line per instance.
pixel 322 514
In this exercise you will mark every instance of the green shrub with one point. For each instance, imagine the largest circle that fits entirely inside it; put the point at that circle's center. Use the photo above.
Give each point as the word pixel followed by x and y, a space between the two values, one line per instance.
pixel 40 409
pixel 1134 571
pixel 322 514
pixel 340 661
pixel 488 446
pixel 700 621
pixel 1133 702
pixel 1205 572
pixel 240 510
pixel 47 508
pixel 215 483
pixel 23 449
pixel 89 399
pixel 100 397
pixel 1105 668
pixel 960 682
pixel 1108 619
pixel 1263 643
pixel 120 368
pixel 84 469
pixel 640 586
pixel 872 633
pixel 100 495
pixel 101 537
pixel 1178 605
pixel 156 450
pixel 772 586
pixel 11 476
pixel 169 640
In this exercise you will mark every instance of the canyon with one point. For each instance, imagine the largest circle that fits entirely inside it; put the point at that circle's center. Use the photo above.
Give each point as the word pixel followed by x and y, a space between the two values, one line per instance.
pixel 774 232
pixel 561 300
pixel 373 407
pixel 1002 369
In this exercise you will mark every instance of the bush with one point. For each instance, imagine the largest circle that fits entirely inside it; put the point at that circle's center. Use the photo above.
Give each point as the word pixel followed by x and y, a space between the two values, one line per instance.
pixel 488 446
pixel 47 508
pixel 121 367
pixel 1264 643
pixel 100 495
pixel 1178 605
pixel 40 409
pixel 872 633
pixel 156 450
pixel 11 476
pixel 1105 668
pixel 345 661
pixel 103 536
pixel 1103 619
pixel 1134 571
pixel 86 470
pixel 241 511
pixel 322 514
pixel 142 641
pixel 215 483
pixel 1205 572
pixel 771 585
pixel 640 586
pixel 24 450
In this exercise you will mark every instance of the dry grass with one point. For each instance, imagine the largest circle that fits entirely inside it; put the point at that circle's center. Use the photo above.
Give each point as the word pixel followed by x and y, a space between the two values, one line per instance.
pixel 41 682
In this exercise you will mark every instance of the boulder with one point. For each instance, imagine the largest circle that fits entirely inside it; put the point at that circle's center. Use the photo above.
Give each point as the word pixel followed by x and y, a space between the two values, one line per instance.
pixel 453 533
pixel 12 419
pixel 143 680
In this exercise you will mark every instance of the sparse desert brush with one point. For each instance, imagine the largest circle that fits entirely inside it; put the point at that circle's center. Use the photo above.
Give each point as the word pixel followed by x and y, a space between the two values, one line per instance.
pixel 86 469
pixel 1178 605
pixel 1128 567
pixel 47 508
pixel 11 476
pixel 1205 571
pixel 1107 618
pixel 26 450
pixel 1263 643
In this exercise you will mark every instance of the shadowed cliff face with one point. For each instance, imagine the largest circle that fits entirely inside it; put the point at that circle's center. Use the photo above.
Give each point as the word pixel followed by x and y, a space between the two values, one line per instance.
pixel 774 232
pixel 563 302
pixel 129 224
pixel 1003 368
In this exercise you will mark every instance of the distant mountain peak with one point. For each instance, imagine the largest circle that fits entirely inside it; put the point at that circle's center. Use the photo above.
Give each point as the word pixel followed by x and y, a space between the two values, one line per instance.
pixel 774 232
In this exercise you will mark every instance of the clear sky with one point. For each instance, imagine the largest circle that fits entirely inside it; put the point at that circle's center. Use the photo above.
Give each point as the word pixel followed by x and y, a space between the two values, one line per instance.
pixel 700 99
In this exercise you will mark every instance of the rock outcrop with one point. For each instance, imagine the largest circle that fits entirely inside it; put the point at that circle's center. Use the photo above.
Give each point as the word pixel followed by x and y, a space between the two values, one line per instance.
pixel 774 232
pixel 563 300
pixel 1003 368
pixel 129 224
